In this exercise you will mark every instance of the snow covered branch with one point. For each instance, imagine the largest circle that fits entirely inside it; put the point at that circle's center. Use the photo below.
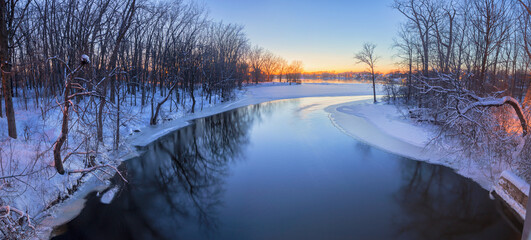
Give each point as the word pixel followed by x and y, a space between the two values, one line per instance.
pixel 497 102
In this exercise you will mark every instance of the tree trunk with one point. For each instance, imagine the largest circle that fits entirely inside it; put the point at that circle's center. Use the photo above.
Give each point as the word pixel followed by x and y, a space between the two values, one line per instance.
pixel 99 130
pixel 193 99
pixel 6 68
pixel 64 130
pixel 500 102
pixel 117 137
pixel 409 80
pixel 155 115
pixel 126 23
pixel 373 85
pixel 527 98
pixel 1 113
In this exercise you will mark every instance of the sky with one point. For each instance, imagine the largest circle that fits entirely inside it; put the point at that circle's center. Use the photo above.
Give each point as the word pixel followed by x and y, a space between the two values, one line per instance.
pixel 324 35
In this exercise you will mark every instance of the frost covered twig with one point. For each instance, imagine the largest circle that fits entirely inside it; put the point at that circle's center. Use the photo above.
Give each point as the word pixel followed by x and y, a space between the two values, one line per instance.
pixel 10 224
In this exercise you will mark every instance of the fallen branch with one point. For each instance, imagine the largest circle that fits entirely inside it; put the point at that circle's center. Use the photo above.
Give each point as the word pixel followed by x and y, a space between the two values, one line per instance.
pixel 99 167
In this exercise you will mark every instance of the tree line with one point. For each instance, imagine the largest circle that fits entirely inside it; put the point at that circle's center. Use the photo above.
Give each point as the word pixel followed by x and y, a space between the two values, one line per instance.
pixel 265 66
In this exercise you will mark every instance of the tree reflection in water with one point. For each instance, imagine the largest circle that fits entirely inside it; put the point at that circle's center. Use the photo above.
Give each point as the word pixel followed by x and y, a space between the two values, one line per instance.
pixel 438 205
pixel 180 177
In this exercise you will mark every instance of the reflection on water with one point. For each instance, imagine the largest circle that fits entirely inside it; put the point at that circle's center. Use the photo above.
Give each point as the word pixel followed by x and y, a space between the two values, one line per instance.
pixel 178 179
pixel 182 174
pixel 281 170
pixel 441 206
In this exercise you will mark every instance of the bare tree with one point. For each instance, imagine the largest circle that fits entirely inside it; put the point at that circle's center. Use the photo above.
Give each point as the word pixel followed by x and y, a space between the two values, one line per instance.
pixel 294 72
pixel 405 44
pixel 367 56
pixel 256 62
pixel 282 68
pixel 420 16
pixel 65 108
pixel 127 17
pixel 270 65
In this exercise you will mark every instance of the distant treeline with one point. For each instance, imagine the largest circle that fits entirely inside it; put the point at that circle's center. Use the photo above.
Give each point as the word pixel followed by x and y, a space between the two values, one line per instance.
pixel 342 75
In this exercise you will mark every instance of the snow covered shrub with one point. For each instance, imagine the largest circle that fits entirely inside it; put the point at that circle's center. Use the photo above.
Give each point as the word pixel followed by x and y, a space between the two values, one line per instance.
pixel 393 90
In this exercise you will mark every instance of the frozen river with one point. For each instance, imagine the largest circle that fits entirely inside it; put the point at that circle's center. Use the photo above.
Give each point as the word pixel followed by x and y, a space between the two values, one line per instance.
pixel 282 170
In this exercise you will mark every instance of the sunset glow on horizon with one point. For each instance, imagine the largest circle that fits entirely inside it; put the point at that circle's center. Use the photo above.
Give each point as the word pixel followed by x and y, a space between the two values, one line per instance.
pixel 301 30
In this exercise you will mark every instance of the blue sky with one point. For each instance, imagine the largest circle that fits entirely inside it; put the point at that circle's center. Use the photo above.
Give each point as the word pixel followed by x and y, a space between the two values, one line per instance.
pixel 323 34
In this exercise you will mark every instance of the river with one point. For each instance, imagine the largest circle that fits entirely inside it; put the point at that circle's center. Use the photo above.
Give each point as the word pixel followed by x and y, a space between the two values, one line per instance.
pixel 281 170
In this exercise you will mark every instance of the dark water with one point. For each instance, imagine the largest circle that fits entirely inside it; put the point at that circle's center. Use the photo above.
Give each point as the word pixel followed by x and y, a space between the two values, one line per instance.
pixel 281 170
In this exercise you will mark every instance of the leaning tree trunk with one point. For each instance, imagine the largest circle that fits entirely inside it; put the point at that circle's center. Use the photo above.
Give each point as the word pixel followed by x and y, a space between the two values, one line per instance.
pixel 64 130
pixel 58 160
pixel 154 115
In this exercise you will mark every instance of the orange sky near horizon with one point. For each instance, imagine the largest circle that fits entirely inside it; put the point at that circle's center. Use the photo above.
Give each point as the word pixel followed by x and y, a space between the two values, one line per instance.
pixel 354 68
pixel 339 64
pixel 324 36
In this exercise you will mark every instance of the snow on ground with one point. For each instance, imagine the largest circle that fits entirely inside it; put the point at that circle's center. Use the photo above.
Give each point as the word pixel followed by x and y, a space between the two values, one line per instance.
pixel 389 119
